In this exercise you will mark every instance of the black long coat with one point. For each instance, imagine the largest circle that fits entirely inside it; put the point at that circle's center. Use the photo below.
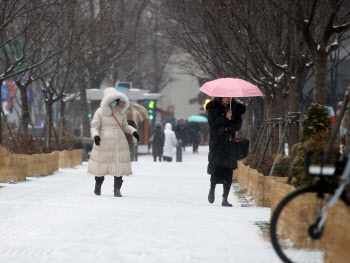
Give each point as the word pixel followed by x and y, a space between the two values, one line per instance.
pixel 221 128
pixel 158 142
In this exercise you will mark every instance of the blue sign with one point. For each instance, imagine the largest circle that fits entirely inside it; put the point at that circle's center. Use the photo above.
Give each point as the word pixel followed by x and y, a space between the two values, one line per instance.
pixel 4 93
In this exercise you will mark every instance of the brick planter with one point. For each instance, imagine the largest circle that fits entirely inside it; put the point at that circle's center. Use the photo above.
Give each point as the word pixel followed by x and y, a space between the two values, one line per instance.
pixel 69 159
pixel 13 168
pixel 257 184
pixel 78 157
pixel 336 235
pixel 43 164
pixel 17 167
pixel 297 216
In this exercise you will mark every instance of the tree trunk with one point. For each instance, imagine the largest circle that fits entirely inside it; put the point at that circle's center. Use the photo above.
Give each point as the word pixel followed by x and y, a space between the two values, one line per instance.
pixel 320 85
pixel 0 118
pixel 48 123
pixel 279 114
pixel 84 113
pixel 269 116
pixel 62 121
pixel 261 115
pixel 25 109
pixel 248 118
pixel 347 136
pixel 295 93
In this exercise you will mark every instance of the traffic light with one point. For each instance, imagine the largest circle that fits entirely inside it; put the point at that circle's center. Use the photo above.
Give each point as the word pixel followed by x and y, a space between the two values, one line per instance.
pixel 89 115
pixel 151 104
pixel 150 109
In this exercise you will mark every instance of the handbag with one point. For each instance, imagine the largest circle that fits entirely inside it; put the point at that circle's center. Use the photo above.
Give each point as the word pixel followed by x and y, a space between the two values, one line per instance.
pixel 237 148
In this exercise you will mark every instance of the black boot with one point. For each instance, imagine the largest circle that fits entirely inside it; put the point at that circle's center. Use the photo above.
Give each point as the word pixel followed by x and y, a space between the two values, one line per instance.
pixel 225 202
pixel 118 181
pixel 211 195
pixel 99 180
pixel 226 187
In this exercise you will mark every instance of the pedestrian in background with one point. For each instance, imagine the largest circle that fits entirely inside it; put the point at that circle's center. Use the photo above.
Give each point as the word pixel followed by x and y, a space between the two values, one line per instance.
pixel 157 142
pixel 186 135
pixel 169 143
pixel 194 135
pixel 110 154
pixel 179 131
pixel 224 123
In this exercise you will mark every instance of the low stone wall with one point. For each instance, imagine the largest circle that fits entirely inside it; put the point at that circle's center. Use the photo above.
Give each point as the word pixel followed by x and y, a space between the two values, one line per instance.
pixel 278 192
pixel 17 167
pixel 336 234
pixel 13 168
pixel 296 217
pixel 69 159
pixel 42 164
pixel 269 191
pixel 77 157
pixel 258 185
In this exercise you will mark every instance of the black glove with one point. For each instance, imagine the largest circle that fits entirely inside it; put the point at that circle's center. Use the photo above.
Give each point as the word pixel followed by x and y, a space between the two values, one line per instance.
pixel 136 136
pixel 97 140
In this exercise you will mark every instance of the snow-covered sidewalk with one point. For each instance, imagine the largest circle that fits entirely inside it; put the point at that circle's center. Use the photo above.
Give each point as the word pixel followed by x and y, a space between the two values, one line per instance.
pixel 163 216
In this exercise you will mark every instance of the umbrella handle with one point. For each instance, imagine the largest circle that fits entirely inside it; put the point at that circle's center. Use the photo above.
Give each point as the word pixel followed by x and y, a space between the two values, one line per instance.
pixel 230 103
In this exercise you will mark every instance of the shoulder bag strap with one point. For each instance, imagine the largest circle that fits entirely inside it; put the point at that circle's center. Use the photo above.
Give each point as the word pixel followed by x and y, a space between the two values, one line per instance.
pixel 117 121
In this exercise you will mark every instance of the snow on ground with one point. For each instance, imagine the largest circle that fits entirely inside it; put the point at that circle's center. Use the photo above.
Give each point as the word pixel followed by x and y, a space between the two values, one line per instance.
pixel 163 216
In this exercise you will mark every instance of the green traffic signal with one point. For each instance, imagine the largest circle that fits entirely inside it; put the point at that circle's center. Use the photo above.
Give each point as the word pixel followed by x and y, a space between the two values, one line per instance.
pixel 151 105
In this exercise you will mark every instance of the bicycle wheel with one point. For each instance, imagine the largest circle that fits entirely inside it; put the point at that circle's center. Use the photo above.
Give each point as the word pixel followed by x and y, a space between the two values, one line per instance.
pixel 291 222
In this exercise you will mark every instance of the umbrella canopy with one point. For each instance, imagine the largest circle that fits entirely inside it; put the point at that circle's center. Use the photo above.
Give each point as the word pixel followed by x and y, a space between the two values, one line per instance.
pixel 121 88
pixel 136 113
pixel 197 118
pixel 230 87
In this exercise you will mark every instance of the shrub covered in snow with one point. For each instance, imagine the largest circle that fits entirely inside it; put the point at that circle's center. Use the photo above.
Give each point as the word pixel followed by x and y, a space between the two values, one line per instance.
pixel 316 130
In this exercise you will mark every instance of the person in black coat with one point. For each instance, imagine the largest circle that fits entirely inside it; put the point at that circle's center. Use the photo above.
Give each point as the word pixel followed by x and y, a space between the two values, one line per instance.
pixel 194 135
pixel 223 123
pixel 158 143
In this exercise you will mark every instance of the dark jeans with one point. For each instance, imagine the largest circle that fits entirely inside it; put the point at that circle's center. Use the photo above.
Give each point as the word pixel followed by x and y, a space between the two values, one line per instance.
pixel 167 159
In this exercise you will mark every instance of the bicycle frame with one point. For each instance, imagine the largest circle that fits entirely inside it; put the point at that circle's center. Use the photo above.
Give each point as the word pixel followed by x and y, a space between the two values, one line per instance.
pixel 344 180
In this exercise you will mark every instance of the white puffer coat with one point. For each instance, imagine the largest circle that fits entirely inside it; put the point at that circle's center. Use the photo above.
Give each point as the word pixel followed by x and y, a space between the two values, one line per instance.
pixel 112 156
pixel 169 142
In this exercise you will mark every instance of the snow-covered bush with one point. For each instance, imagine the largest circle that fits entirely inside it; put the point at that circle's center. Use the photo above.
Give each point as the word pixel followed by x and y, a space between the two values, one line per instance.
pixel 316 130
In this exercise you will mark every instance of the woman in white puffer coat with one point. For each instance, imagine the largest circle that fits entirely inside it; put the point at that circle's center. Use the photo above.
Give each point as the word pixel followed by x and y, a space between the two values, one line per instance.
pixel 110 153
pixel 169 143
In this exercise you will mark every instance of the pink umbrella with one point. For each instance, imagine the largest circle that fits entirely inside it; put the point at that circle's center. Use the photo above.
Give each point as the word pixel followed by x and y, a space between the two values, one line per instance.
pixel 230 87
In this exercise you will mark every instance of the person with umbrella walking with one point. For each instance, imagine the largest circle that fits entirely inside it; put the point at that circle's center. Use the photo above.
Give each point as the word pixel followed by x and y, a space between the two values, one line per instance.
pixel 110 153
pixel 225 119
pixel 224 123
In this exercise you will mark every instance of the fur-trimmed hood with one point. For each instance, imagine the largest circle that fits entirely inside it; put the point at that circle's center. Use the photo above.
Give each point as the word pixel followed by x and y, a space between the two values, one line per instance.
pixel 109 95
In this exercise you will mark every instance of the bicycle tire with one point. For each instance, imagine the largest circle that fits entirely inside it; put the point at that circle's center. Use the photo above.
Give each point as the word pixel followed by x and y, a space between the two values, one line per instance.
pixel 277 242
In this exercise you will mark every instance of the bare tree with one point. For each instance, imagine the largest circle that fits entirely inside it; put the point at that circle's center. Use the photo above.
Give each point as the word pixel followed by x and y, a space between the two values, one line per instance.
pixel 15 21
pixel 114 33
pixel 246 39
pixel 322 24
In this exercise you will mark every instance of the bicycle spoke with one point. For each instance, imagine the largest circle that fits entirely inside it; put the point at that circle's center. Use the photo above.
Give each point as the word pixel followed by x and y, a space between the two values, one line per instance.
pixel 290 229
